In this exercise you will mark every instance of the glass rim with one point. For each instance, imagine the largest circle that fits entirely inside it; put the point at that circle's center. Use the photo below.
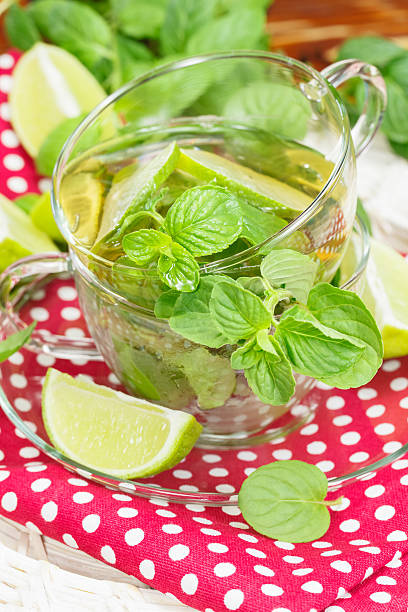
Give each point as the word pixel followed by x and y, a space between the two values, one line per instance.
pixel 293 225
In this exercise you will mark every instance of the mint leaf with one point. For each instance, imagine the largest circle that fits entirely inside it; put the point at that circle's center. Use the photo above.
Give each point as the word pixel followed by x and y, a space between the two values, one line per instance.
pixel 344 312
pixel 255 284
pixel 164 306
pixel 285 500
pixel 141 285
pixel 178 269
pixel 210 376
pixel 77 28
pixel 238 313
pixel 241 29
pixel 204 220
pixel 131 58
pixel 183 18
pixel 290 270
pixel 21 29
pixel 246 356
pixel 395 122
pixel 370 49
pixel 141 19
pixel 191 317
pixel 314 349
pixel 257 225
pixel 271 378
pixel 274 107
pixel 145 245
pixel 13 343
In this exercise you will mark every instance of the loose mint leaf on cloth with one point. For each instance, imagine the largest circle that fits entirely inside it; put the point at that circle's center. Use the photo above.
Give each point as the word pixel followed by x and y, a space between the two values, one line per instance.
pixel 204 220
pixel 183 18
pixel 13 343
pixel 271 378
pixel 21 29
pixel 273 107
pixel 290 270
pixel 240 29
pixel 313 348
pixel 285 500
pixel 140 19
pixel 371 49
pixel 238 313
pixel 179 270
pixel 191 317
pixel 257 225
pixel 145 245
pixel 344 312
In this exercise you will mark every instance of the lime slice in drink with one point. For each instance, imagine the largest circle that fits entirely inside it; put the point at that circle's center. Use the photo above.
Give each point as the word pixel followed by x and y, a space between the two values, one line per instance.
pixel 18 235
pixel 81 200
pixel 49 85
pixel 42 217
pixel 128 194
pixel 260 189
pixel 385 294
pixel 111 432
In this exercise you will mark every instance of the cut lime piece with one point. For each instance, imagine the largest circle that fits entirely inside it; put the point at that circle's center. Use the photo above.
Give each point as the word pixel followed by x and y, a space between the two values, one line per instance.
pixel 42 217
pixel 81 201
pixel 126 195
pixel 260 189
pixel 18 235
pixel 49 85
pixel 386 296
pixel 111 432
pixel 385 292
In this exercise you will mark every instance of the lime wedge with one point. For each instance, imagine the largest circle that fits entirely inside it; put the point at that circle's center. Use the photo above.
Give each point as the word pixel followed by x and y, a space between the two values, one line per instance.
pixel 81 201
pixel 129 192
pixel 18 235
pixel 261 190
pixel 42 217
pixel 49 85
pixel 111 432
pixel 385 294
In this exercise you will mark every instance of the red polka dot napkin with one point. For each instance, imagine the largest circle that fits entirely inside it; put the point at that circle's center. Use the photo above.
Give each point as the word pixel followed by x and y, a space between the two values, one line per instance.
pixel 209 558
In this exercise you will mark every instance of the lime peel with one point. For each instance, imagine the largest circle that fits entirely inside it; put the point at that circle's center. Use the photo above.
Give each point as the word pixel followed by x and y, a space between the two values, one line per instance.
pixel 112 432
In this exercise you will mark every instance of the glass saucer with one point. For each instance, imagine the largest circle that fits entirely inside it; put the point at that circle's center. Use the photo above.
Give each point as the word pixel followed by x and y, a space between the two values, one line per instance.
pixel 347 434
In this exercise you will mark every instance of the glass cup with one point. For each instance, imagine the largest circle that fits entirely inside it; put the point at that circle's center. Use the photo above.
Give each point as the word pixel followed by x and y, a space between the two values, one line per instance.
pixel 271 113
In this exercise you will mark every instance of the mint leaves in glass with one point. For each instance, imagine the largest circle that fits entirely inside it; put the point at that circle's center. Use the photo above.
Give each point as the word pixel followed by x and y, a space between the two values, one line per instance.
pixel 174 227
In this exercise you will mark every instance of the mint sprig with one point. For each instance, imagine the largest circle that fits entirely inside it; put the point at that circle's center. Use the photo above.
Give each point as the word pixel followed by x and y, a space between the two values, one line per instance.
pixel 331 336
pixel 201 221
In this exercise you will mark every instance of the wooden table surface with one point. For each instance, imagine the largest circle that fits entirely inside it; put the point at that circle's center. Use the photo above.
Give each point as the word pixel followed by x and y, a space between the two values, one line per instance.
pixel 311 29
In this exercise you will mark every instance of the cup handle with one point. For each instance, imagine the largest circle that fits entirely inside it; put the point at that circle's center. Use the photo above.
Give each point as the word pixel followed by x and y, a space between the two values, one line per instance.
pixel 375 97
pixel 16 282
